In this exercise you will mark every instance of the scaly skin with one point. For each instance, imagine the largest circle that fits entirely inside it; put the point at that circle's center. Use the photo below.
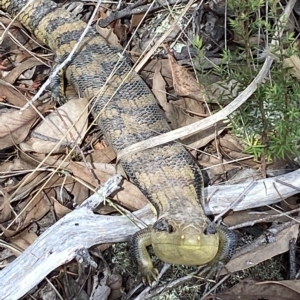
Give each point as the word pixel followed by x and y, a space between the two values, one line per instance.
pixel 127 113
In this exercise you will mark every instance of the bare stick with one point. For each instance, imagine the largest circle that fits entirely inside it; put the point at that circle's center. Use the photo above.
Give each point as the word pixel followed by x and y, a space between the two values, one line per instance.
pixel 77 231
pixel 129 11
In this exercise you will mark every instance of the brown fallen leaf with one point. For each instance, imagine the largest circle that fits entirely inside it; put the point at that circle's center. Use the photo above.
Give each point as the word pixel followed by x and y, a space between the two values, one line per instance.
pixel 24 239
pixel 12 95
pixel 293 62
pixel 120 29
pixel 231 143
pixel 57 132
pixel 241 261
pixel 129 196
pixel 184 82
pixel 13 166
pixel 108 34
pixel 32 181
pixel 34 208
pixel 136 20
pixel 249 289
pixel 114 282
pixel 291 284
pixel 31 209
pixel 231 147
pixel 60 210
pixel 25 186
pixel 149 69
pixel 55 161
pixel 104 155
pixel 13 75
pixel 159 90
pixel 15 125
pixel 5 209
pixel 16 30
pixel 215 165
pixel 79 192
pixel 183 112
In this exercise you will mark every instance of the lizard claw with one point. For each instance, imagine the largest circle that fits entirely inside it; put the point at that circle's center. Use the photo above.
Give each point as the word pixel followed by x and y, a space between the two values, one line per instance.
pixel 149 275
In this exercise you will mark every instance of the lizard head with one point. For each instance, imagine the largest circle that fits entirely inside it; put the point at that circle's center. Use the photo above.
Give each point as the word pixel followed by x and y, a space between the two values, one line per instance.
pixel 195 242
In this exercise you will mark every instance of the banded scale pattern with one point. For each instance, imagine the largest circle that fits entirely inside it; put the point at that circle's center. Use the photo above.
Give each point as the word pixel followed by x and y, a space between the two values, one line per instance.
pixel 127 112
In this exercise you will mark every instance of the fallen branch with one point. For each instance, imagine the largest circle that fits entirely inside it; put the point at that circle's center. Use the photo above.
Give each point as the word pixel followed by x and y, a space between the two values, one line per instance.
pixel 135 9
pixel 262 192
pixel 62 242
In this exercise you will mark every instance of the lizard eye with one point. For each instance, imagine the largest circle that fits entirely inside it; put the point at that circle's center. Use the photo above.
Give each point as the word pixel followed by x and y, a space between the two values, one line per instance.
pixel 163 225
pixel 210 229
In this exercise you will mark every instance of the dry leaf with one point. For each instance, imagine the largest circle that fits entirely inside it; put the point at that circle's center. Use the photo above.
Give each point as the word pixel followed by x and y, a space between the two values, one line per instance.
pixel 24 239
pixel 5 209
pixel 291 284
pixel 15 31
pixel 55 161
pixel 230 143
pixel 114 282
pixel 232 148
pixel 56 131
pixel 249 289
pixel 135 21
pixel 60 210
pixel 149 69
pixel 179 113
pixel 130 196
pixel 23 188
pixel 159 90
pixel 35 208
pixel 31 209
pixel 110 36
pixel 294 63
pixel 184 82
pixel 215 165
pixel 16 165
pixel 15 125
pixel 105 155
pixel 31 181
pixel 17 71
pixel 12 95
pixel 263 251
pixel 121 29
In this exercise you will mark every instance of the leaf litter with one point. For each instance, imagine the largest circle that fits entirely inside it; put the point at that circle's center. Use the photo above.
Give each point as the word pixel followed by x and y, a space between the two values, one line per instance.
pixel 26 199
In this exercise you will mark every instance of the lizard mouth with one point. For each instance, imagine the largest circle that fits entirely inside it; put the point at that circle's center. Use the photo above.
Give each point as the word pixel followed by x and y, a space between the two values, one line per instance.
pixel 185 254
pixel 191 248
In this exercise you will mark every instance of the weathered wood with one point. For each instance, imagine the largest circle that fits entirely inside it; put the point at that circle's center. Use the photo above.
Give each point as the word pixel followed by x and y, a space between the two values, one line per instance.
pixel 260 193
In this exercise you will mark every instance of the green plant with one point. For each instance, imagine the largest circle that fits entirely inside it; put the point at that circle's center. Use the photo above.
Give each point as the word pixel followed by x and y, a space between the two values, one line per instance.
pixel 268 123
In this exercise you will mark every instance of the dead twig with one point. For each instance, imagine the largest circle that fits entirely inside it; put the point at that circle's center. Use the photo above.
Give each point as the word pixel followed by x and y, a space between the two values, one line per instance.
pixel 135 9
pixel 292 253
